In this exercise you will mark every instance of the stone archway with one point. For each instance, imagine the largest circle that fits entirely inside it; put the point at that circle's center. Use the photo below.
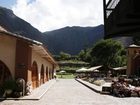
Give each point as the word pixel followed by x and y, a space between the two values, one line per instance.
pixel 34 75
pixel 47 77
pixel 42 74
pixel 5 73
pixel 52 73
pixel 49 74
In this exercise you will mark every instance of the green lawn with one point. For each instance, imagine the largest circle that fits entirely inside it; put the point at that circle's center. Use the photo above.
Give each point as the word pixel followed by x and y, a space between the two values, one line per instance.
pixel 65 76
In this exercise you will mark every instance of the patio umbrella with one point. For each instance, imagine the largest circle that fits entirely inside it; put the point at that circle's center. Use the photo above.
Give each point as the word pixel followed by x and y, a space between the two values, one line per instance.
pixel 95 68
pixel 81 70
pixel 62 71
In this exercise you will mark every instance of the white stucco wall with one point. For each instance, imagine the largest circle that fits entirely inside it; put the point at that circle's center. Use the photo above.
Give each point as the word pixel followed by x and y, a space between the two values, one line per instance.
pixel 36 57
pixel 7 52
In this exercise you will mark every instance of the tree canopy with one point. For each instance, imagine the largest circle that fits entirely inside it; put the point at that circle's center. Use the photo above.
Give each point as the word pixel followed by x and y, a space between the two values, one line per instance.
pixel 108 52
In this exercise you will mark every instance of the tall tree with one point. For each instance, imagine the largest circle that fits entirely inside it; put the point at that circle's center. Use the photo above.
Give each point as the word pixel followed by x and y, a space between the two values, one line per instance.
pixel 108 53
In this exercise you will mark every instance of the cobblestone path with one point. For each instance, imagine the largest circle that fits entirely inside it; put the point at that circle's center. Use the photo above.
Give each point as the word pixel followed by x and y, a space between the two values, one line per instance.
pixel 70 92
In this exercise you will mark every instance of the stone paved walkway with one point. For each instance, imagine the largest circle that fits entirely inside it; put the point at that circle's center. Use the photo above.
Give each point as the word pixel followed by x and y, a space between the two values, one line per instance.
pixel 36 93
pixel 71 92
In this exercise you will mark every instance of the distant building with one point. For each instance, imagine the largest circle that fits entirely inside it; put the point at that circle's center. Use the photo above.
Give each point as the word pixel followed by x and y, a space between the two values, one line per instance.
pixel 133 62
pixel 21 57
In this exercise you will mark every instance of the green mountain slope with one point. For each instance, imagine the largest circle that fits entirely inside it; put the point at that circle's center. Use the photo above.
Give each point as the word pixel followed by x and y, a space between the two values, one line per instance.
pixel 14 24
pixel 72 39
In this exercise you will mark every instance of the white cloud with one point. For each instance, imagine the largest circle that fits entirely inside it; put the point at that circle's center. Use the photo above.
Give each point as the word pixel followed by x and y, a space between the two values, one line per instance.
pixel 48 15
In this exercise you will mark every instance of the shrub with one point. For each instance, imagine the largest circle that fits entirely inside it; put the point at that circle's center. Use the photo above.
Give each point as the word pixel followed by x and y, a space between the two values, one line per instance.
pixel 8 87
pixel 1 91
pixel 9 84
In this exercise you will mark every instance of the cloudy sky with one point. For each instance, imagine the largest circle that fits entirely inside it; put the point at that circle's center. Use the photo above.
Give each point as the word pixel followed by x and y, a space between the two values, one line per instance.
pixel 48 15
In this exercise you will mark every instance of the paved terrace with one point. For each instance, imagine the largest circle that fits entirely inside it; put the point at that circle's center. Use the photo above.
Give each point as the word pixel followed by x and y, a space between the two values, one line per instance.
pixel 71 92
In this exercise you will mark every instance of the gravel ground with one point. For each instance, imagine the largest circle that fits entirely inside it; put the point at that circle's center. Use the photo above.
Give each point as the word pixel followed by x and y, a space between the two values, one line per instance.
pixel 71 92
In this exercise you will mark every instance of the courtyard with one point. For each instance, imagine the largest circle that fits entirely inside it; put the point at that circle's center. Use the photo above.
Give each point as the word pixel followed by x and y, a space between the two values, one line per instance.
pixel 71 92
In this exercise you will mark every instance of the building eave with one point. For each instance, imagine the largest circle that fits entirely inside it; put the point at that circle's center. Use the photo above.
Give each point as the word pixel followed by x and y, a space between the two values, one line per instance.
pixel 44 53
pixel 2 31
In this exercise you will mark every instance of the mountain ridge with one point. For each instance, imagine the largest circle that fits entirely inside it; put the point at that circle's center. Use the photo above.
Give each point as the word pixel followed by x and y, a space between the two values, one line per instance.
pixel 14 24
pixel 80 37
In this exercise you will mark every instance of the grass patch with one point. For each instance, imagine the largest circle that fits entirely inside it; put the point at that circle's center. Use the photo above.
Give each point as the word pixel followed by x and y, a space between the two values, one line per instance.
pixel 65 76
